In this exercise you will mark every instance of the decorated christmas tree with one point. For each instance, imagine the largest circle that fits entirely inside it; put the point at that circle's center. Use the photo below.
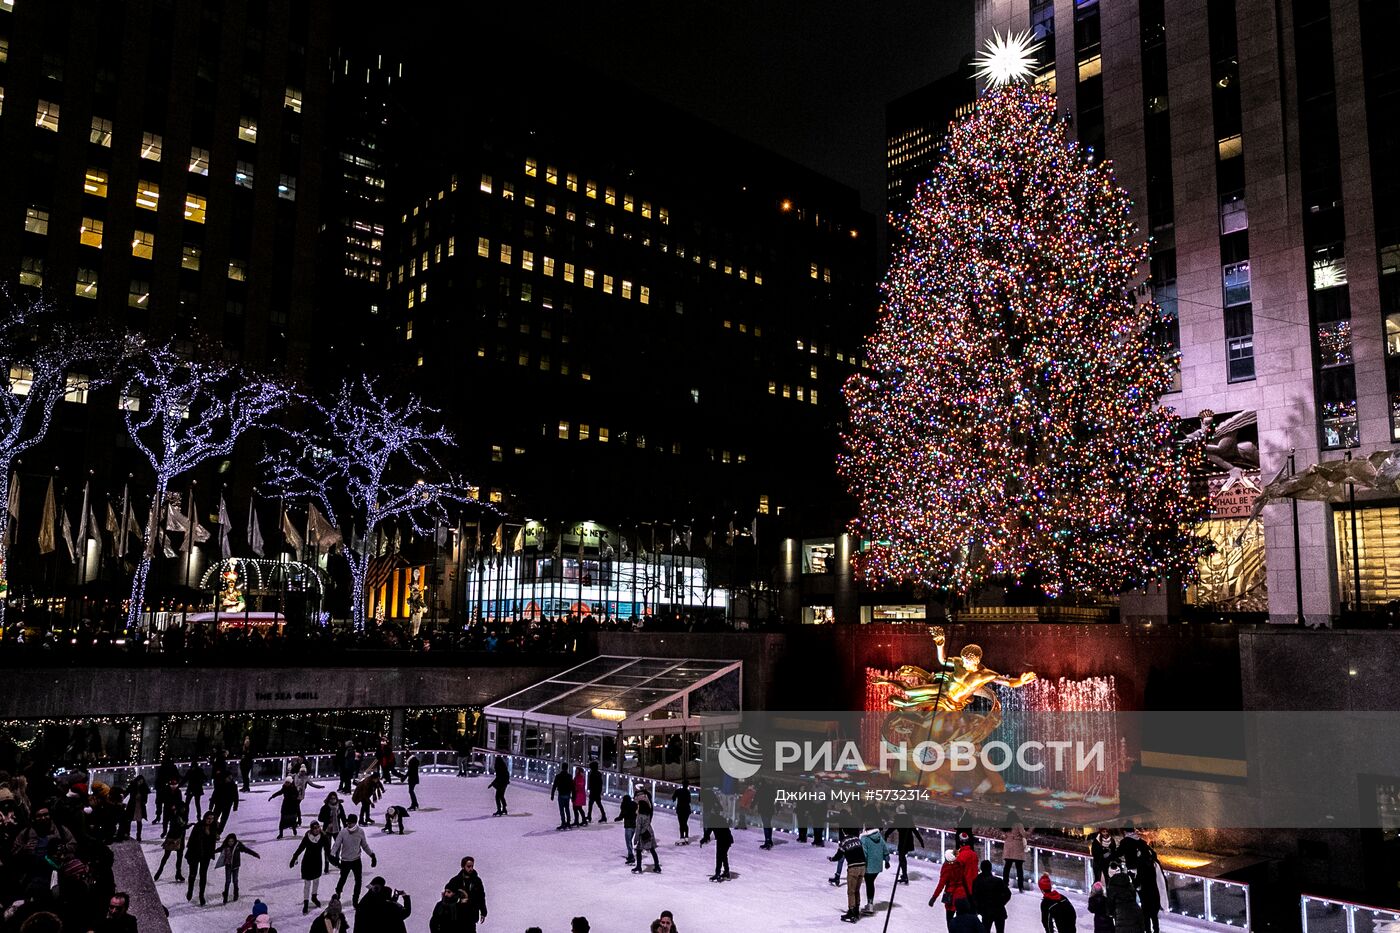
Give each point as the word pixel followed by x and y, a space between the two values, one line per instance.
pixel 1010 428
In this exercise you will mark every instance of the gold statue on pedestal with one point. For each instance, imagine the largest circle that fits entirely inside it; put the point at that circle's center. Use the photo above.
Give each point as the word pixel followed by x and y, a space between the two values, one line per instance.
pixel 936 706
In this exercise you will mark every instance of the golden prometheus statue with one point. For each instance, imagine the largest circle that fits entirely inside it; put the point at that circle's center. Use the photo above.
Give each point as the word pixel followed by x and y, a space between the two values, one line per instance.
pixel 937 706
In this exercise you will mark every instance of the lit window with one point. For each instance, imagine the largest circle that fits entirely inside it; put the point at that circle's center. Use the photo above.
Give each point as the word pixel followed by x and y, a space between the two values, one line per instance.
pixel 772 388
pixel 551 175
pixel 646 294
pixel 563 430
pixel 585 375
pixel 583 432
pixel 743 328
pixel 422 292
pixel 627 204
pixel 238 270
pixel 412 297
pixel 530 168
pixel 287 187
pixel 1236 278
pixel 564 368
pixel 143 244
pixel 36 220
pixel 147 195
pixel 195 207
pixel 75 388
pixel 243 174
pixel 544 362
pixel 527 260
pixel 508 190
pixel 452 245
pixel 292 100
pixel 826 274
pixel 46 116
pixel 758 278
pixel 248 129
pixel 812 396
pixel 758 331
pixel 664 215
pixel 813 372
pixel 801 394
pixel 568 272
pixel 571 181
pixel 86 286
pixel 506 253
pixel 199 160
pixel 91 233
pixel 483 247
pixel 31 271
pixel 814 270
pixel 590 189
pixel 548 266
pixel 587 278
pixel 527 292
pixel 139 294
pixel 607 284
pixel 744 272
pixel 486 184
pixel 646 209
pixel 1230 147
pixel 496 496
pixel 610 196
pixel 728 269
pixel 151 146
pixel 129 403
pixel 626 289
pixel 787 391
pixel 21 380
pixel 101 132
pixel 437 253
pixel 762 505
pixel 189 257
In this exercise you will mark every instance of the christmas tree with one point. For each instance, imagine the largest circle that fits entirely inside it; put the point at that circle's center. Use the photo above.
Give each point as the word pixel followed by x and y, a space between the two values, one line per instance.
pixel 1010 428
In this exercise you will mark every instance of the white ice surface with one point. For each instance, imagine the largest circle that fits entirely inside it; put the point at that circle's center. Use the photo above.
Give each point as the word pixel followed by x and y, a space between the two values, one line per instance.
pixel 537 876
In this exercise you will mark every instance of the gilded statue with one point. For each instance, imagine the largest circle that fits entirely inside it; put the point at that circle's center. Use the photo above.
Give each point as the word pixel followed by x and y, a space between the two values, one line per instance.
pixel 952 686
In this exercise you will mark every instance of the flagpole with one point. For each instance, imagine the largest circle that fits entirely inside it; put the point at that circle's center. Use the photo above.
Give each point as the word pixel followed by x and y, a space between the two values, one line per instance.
pixel 282 527
pixel 83 524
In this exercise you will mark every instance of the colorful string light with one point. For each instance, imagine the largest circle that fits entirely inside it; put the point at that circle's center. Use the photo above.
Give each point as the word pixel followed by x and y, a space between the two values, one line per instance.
pixel 1010 428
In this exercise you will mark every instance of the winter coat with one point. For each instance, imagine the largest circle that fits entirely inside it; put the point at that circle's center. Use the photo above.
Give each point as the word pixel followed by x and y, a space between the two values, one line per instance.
pixel 365 790
pixel 502 779
pixel 1056 913
pixel 312 852
pixel 225 793
pixel 1131 851
pixel 952 881
pixel 628 812
pixel 681 798
pixel 137 793
pixel 876 851
pixel 202 844
pixel 195 781
pixel 472 895
pixel 967 858
pixel 413 766
pixel 291 805
pixel 1098 906
pixel 300 780
pixel 965 920
pixel 563 786
pixel 646 838
pixel 1014 844
pixel 595 783
pixel 1123 904
pixel 349 843
pixel 991 896
pixel 1150 883
pixel 175 836
pixel 323 924
pixel 378 913
pixel 907 833
pixel 765 801
pixel 233 854
pixel 580 790
pixel 331 818
pixel 448 917
pixel 1103 852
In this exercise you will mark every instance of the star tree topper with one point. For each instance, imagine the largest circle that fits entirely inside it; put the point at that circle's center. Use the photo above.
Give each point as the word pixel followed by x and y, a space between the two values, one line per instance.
pixel 1007 59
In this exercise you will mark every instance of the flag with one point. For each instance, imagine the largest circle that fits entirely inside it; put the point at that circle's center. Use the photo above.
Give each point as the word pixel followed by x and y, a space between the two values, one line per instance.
pixel 198 534
pixel 518 546
pixel 175 519
pixel 709 540
pixel 289 533
pixel 226 529
pixel 753 531
pixel 626 551
pixel 440 535
pixel 128 524
pixel 255 538
pixel 66 530
pixel 685 536
pixel 498 543
pixel 47 545
pixel 13 524
pixel 559 544
pixel 729 535
pixel 398 540
pixel 83 534
pixel 320 531
pixel 477 549
pixel 110 525
pixel 165 547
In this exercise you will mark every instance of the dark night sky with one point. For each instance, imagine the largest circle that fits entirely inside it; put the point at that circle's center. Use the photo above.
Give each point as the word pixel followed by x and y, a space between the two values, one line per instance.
pixel 808 79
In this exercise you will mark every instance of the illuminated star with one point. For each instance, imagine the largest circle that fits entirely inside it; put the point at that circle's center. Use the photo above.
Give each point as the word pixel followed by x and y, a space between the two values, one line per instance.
pixel 1007 58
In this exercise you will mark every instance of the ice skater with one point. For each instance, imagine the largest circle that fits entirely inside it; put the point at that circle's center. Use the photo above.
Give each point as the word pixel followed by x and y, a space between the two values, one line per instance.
pixel 595 792
pixel 395 815
pixel 195 779
pixel 851 851
pixel 412 781
pixel 580 797
pixel 724 841
pixel 350 843
pixel 312 852
pixel 302 780
pixel 646 835
pixel 906 830
pixel 137 793
pixel 627 814
pixel 681 798
pixel 365 794
pixel 199 852
pixel 499 783
pixel 291 807
pixel 877 857
pixel 231 853
pixel 563 789
pixel 174 844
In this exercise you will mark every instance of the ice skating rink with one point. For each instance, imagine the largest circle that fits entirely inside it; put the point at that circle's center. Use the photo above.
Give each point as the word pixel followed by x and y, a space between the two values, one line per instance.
pixel 538 876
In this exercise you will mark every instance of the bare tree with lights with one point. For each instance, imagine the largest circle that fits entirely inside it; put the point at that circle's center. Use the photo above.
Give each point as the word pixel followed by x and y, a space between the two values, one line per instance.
pixel 182 413
pixel 38 354
pixel 374 459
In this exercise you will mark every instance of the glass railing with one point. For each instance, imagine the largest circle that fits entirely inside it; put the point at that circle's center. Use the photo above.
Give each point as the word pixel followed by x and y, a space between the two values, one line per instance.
pixel 1325 915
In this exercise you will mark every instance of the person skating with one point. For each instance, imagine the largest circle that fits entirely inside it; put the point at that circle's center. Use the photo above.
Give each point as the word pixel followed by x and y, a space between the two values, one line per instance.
pixel 332 920
pixel 413 781
pixel 952 885
pixel 1152 889
pixel 765 801
pixel 302 780
pixel 1103 849
pixel 245 763
pixel 195 779
pixel 563 788
pixel 967 858
pixel 231 853
pixel 709 803
pixel 137 793
pixel 1131 850
pixel 680 797
pixel 395 814
pixel 471 895
pixel 499 782
pixel 1098 907
pixel 347 767
pixel 1013 852
pixel 877 856
pixel 365 794
pixel 223 800
pixel 291 807
pixel 349 845
pixel 380 911
pixel 312 852
pixel 580 798
pixel 1056 912
pixel 964 918
pixel 646 836
pixel 851 850
pixel 627 814
pixel 595 792
pixel 724 841
pixel 990 895
pixel 174 844
pixel 906 830
pixel 200 849
pixel 1123 901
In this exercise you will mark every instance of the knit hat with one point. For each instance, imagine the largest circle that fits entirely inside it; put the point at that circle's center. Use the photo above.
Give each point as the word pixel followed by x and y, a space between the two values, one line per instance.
pixel 262 922
pixel 1045 884
pixel 259 908
pixel 377 881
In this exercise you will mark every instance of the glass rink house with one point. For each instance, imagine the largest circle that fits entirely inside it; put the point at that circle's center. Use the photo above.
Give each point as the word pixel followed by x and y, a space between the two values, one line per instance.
pixel 658 718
